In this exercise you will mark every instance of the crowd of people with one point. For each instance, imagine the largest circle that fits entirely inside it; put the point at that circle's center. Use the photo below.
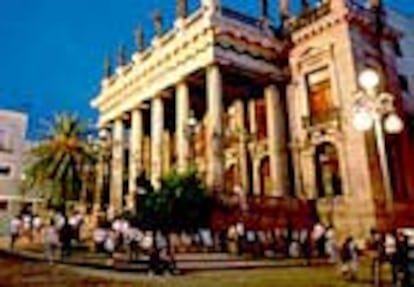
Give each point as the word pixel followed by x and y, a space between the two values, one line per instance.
pixel 111 237
pixel 390 248
pixel 57 231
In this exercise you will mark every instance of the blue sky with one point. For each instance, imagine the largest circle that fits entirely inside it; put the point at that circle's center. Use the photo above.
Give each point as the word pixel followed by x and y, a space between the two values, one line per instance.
pixel 51 51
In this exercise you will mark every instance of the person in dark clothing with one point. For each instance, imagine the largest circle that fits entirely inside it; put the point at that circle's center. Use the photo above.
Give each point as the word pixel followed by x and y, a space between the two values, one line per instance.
pixel 65 239
pixel 402 260
pixel 154 261
pixel 160 262
pixel 306 247
pixel 376 254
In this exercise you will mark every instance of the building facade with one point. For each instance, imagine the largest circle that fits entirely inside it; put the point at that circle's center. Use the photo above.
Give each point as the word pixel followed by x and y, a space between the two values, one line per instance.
pixel 404 49
pixel 258 107
pixel 13 126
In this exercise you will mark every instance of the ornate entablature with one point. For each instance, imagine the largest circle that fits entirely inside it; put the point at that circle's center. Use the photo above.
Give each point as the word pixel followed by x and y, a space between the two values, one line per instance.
pixel 205 37
pixel 316 20
pixel 308 17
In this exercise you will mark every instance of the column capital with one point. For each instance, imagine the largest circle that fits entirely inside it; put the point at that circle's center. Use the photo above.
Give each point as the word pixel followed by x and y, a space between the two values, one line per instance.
pixel 211 4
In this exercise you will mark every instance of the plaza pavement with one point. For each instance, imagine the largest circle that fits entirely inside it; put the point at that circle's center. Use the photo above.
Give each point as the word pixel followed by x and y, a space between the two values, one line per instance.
pixel 186 262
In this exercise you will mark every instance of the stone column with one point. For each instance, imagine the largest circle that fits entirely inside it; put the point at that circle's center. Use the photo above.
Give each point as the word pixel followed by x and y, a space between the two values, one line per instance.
pixel 276 140
pixel 210 4
pixel 100 168
pixel 284 8
pixel 215 161
pixel 242 161
pixel 117 166
pixel 182 106
pixel 157 128
pixel 253 147
pixel 135 154
pixel 166 152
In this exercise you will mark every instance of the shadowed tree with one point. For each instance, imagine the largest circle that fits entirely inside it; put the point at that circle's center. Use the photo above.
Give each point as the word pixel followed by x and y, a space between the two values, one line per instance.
pixel 180 204
pixel 62 159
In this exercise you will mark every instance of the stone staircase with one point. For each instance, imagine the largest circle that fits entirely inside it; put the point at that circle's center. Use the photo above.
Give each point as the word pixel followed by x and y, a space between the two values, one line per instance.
pixel 186 262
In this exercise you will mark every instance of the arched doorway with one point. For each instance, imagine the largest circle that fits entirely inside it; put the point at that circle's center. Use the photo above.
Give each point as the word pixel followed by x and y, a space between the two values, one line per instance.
pixel 328 175
pixel 265 176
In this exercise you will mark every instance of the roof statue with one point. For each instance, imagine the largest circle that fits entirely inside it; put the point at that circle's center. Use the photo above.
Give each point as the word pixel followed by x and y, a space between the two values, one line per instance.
pixel 107 67
pixel 157 18
pixel 139 39
pixel 121 58
pixel 264 9
pixel 182 8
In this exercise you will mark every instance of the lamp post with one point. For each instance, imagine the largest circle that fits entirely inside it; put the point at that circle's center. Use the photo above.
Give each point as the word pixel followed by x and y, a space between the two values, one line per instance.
pixel 377 110
pixel 191 133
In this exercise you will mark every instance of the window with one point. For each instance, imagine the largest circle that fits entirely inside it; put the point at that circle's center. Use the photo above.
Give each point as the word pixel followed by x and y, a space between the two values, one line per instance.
pixel 328 177
pixel 403 83
pixel 319 93
pixel 5 140
pixel 397 49
pixel 3 205
pixel 5 171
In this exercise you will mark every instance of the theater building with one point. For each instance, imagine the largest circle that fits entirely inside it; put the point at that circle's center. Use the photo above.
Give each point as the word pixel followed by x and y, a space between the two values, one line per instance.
pixel 265 108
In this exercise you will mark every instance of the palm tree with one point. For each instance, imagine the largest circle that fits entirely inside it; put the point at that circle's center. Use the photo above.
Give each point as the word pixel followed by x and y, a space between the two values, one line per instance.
pixel 62 159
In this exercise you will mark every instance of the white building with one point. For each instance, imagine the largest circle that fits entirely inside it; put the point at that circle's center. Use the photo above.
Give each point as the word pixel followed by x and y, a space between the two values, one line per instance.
pixel 13 127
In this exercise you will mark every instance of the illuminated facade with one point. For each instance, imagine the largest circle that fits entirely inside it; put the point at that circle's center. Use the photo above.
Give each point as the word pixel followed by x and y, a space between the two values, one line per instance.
pixel 273 108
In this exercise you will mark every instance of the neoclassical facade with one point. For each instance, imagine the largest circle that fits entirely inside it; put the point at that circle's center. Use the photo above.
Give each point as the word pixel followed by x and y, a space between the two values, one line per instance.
pixel 260 107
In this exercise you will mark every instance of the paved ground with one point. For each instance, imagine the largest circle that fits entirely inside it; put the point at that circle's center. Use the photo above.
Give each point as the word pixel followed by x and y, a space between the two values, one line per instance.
pixel 188 262
pixel 16 272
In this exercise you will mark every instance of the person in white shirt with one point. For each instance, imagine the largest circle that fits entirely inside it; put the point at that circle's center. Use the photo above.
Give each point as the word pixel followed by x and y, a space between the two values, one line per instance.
pixel 15 227
pixel 99 237
pixel 37 227
pixel 27 226
pixel 59 220
pixel 109 243
pixel 51 240
pixel 75 222
pixel 330 244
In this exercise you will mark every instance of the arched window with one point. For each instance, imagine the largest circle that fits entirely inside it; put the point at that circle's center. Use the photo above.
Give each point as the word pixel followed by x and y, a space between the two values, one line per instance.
pixel 328 174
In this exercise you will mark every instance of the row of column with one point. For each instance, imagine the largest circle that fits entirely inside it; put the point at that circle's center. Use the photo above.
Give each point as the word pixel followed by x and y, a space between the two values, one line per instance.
pixel 214 152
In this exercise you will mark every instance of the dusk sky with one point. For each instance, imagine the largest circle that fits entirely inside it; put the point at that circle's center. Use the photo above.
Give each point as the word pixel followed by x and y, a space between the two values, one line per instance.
pixel 51 51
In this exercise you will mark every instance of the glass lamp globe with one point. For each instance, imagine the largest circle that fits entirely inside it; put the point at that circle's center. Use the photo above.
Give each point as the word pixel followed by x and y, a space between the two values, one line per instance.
pixel 192 121
pixel 393 124
pixel 369 79
pixel 103 134
pixel 362 120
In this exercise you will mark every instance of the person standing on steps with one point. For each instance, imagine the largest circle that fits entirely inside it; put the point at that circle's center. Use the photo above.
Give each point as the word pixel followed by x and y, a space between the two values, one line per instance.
pixel 51 241
pixel 15 227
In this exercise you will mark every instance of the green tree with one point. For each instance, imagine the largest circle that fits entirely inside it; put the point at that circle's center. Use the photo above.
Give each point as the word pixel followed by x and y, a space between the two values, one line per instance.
pixel 180 204
pixel 62 159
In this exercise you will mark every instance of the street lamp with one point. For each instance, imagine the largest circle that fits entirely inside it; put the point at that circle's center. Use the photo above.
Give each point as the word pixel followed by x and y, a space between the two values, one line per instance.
pixel 373 109
pixel 191 133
